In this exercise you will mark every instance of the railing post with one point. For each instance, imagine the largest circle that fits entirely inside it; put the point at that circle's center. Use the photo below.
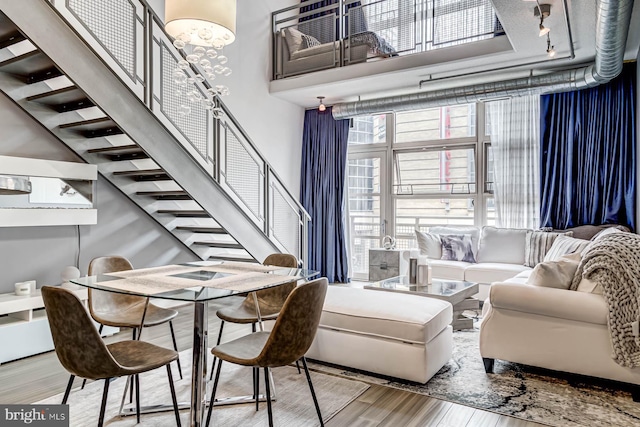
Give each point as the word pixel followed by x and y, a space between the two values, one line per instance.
pixel 267 201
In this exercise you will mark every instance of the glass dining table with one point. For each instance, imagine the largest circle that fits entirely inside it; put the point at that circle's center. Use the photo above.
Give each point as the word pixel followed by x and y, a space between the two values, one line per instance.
pixel 198 283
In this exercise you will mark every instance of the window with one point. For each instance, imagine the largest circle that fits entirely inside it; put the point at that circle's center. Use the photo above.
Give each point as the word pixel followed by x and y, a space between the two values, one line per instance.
pixel 436 123
pixel 368 130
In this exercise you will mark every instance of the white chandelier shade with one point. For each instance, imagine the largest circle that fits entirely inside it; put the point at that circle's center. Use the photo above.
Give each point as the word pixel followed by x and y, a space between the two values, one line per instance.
pixel 208 22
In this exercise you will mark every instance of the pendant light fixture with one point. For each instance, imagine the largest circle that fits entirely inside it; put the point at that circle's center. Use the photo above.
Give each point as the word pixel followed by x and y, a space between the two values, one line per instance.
pixel 202 28
pixel 321 107
pixel 542 11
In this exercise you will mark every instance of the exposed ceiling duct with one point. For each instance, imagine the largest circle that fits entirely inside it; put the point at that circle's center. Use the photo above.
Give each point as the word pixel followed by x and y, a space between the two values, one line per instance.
pixel 612 26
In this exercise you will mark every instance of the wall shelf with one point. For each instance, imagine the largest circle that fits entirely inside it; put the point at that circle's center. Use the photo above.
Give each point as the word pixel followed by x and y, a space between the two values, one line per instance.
pixel 62 193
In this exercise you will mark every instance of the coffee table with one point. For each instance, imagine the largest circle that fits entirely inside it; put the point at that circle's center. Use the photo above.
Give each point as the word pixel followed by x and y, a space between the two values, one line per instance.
pixel 457 292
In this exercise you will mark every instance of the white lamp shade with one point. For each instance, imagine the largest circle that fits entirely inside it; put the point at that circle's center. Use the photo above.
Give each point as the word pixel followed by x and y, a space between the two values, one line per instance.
pixel 192 16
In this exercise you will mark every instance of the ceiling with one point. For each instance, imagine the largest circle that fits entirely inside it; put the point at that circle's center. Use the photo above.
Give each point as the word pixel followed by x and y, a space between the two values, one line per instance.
pixel 521 53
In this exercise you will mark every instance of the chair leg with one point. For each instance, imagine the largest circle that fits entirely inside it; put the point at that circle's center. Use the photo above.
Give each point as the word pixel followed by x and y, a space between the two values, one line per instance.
pixel 68 389
pixel 213 363
pixel 100 329
pixel 256 386
pixel 105 393
pixel 313 393
pixel 173 396
pixel 175 347
pixel 84 383
pixel 268 388
pixel 298 366
pixel 137 378
pixel 134 333
pixel 213 393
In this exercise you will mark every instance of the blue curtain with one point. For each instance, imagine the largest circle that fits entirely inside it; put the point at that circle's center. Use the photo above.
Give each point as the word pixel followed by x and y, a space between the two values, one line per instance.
pixel 318 28
pixel 324 165
pixel 588 158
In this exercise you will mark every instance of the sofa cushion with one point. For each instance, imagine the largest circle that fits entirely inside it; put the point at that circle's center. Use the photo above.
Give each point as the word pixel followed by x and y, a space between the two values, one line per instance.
pixel 564 245
pixel 538 243
pixel 389 315
pixel 315 50
pixel 429 244
pixel 473 231
pixel 554 274
pixel 505 245
pixel 454 270
pixel 489 272
pixel 457 247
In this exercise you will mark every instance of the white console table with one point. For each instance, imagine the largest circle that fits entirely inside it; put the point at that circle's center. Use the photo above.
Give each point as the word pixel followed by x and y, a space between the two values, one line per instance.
pixel 24 329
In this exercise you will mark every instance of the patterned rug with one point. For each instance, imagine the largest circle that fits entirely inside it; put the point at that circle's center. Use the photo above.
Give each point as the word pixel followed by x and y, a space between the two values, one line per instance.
pixel 293 407
pixel 515 390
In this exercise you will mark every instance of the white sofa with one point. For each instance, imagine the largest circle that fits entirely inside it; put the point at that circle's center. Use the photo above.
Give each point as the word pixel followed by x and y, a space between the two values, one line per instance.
pixel 499 252
pixel 557 329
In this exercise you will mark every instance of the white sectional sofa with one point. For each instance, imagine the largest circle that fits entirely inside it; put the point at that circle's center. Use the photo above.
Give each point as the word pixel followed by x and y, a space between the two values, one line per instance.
pixel 557 329
pixel 499 252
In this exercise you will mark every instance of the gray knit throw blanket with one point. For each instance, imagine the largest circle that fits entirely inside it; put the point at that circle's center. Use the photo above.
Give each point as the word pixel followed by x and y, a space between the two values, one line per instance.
pixel 613 262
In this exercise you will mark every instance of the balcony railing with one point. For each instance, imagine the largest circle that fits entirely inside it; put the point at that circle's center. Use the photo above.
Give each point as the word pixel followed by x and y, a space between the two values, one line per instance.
pixel 316 35
pixel 130 38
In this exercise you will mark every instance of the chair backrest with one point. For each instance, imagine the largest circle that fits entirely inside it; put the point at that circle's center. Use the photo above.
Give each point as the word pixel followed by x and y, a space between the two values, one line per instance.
pixel 78 345
pixel 109 302
pixel 282 260
pixel 272 299
pixel 296 325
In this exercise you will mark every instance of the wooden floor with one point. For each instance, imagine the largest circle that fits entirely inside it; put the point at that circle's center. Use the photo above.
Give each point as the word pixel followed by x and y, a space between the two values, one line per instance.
pixel 38 377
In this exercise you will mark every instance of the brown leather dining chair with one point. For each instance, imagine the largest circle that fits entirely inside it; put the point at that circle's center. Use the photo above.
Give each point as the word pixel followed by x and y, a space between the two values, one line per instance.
pixel 270 300
pixel 125 311
pixel 83 353
pixel 288 341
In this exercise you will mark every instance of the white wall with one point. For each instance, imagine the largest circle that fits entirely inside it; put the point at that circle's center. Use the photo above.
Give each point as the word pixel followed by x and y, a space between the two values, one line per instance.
pixel 40 253
pixel 274 125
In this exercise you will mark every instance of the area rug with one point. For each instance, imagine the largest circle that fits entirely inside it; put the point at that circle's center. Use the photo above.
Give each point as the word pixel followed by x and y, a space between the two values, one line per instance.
pixel 293 407
pixel 514 390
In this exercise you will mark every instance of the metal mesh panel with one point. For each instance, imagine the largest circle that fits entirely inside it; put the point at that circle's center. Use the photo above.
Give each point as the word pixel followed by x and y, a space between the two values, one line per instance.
pixel 285 222
pixel 393 21
pixel 322 28
pixel 113 24
pixel 243 173
pixel 193 126
pixel 462 21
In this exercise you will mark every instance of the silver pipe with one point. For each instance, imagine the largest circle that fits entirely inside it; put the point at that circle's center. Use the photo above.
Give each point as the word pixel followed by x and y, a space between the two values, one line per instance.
pixel 612 26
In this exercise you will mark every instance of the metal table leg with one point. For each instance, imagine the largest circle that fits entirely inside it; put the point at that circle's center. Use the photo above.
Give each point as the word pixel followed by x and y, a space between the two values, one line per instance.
pixel 198 373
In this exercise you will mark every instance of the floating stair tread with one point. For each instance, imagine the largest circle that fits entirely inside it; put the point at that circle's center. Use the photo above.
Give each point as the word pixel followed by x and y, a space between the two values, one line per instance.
pixel 66 99
pixel 140 172
pixel 165 195
pixel 184 213
pixel 93 124
pixel 116 149
pixel 231 258
pixel 9 34
pixel 33 62
pixel 205 230
pixel 220 245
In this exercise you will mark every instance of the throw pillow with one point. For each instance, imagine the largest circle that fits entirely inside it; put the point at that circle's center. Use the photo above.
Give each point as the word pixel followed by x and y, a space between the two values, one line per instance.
pixel 537 244
pixel 308 41
pixel 453 230
pixel 565 245
pixel 429 244
pixel 293 38
pixel 502 245
pixel 554 274
pixel 457 247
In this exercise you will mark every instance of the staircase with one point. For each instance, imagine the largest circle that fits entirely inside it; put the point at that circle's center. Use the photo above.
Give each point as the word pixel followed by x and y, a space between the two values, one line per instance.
pixel 201 178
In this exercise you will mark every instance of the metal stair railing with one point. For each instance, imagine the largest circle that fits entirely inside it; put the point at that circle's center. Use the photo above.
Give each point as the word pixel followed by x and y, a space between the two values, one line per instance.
pixel 130 39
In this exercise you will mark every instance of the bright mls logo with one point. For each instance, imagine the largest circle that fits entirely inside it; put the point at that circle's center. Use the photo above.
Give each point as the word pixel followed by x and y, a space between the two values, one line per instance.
pixel 34 415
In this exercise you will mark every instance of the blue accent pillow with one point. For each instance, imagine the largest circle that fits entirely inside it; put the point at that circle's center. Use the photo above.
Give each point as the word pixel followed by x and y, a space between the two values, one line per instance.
pixel 457 247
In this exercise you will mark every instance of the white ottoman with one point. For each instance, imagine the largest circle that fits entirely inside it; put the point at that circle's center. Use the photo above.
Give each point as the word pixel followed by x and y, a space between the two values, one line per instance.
pixel 397 335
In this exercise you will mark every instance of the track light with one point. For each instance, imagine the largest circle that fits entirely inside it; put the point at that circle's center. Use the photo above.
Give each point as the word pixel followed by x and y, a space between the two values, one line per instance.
pixel 321 107
pixel 543 11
